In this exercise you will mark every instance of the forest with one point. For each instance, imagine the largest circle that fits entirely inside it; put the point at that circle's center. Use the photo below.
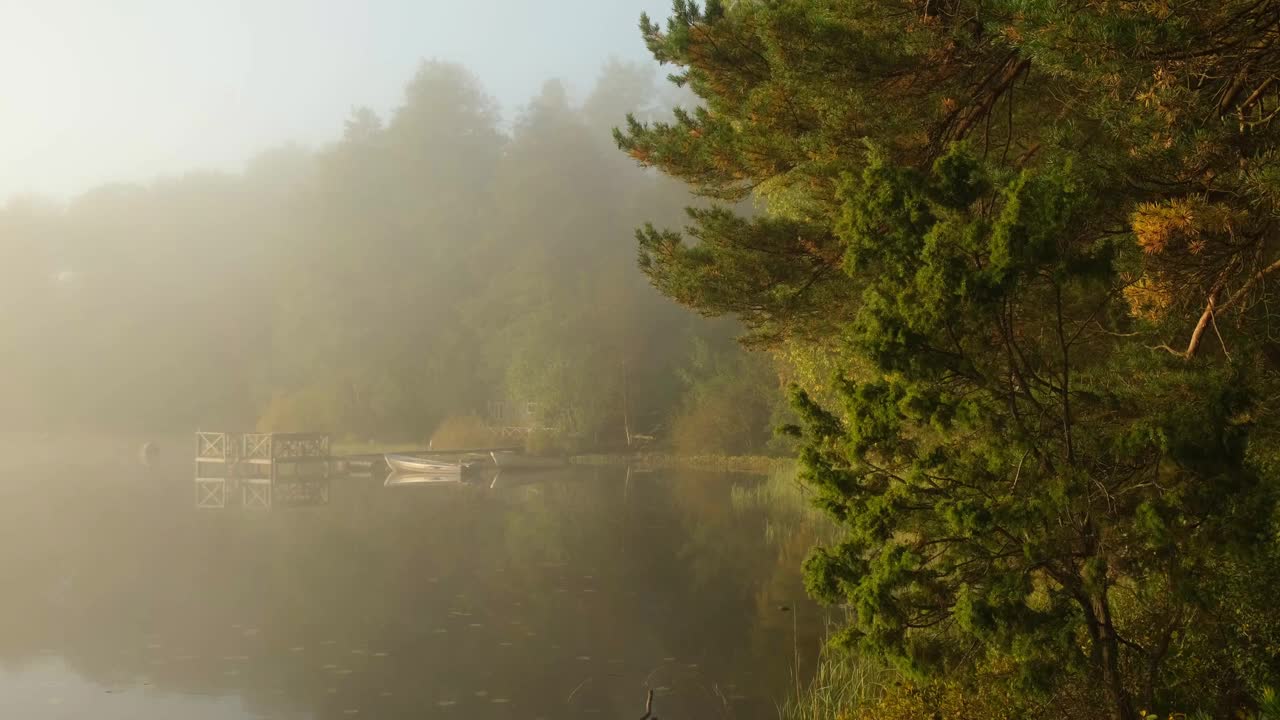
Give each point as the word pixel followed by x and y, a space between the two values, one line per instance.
pixel 1035 245
pixel 999 272
pixel 440 265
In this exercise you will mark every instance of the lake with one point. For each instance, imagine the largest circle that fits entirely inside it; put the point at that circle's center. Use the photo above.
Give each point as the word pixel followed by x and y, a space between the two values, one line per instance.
pixel 560 594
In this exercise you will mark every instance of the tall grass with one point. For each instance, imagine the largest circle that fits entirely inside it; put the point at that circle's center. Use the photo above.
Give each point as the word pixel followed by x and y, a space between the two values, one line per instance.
pixel 745 464
pixel 841 685
pixel 787 505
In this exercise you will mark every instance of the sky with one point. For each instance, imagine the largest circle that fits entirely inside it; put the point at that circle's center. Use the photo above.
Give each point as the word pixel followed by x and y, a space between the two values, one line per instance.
pixel 97 91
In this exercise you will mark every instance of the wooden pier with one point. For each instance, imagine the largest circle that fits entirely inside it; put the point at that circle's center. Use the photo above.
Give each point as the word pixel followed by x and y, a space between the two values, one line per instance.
pixel 265 467
pixel 264 470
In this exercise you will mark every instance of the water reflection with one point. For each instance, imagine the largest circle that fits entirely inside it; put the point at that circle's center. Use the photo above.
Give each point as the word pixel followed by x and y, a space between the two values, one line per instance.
pixel 556 595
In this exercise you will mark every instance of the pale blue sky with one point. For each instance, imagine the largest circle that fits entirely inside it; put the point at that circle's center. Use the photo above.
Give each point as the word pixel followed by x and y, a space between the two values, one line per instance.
pixel 93 91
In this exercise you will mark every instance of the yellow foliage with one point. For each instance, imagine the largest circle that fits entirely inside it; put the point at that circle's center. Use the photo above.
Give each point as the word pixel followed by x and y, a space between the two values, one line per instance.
pixel 1149 298
pixel 315 408
pixel 1181 223
pixel 461 432
pixel 1156 225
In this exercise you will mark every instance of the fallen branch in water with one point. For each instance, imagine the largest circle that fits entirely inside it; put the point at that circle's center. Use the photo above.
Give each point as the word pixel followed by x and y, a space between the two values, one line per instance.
pixel 648 708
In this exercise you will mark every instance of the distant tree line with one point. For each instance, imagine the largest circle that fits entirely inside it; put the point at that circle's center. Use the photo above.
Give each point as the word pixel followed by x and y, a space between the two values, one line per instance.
pixel 423 266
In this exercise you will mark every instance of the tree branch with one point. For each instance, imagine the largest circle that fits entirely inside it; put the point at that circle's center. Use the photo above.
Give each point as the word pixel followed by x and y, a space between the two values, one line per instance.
pixel 648 708
pixel 1238 294
pixel 1203 323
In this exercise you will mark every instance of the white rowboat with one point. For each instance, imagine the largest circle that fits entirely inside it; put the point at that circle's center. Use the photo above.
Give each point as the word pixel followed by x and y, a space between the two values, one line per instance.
pixel 413 465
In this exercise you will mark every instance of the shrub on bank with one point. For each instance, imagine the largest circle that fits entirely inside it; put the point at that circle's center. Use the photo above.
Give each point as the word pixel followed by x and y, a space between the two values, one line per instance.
pixel 460 432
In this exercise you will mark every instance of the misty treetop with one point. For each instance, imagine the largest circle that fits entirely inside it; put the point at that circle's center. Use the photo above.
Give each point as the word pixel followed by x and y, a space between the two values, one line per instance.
pixel 422 265
pixel 1035 244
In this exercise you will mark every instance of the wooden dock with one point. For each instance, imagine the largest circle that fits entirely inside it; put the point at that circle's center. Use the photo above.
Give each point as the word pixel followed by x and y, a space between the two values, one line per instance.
pixel 260 466
pixel 262 470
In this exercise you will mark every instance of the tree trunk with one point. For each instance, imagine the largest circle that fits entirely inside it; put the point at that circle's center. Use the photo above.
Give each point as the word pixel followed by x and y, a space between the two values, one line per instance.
pixel 1106 653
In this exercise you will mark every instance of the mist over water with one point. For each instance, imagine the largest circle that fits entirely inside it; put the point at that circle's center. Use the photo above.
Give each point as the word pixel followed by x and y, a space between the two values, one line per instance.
pixel 450 264
pixel 559 594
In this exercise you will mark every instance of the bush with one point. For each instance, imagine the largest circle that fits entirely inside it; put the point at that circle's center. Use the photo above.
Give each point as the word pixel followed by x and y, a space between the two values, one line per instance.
pixel 463 432
pixel 314 408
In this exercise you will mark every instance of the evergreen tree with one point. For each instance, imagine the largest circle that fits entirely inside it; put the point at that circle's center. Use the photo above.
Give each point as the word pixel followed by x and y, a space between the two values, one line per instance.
pixel 1008 214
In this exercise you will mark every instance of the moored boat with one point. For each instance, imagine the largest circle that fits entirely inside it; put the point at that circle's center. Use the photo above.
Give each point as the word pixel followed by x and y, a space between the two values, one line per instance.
pixel 414 465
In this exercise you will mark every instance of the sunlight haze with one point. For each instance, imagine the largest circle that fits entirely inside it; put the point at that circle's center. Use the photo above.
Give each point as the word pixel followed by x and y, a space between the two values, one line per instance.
pixel 97 92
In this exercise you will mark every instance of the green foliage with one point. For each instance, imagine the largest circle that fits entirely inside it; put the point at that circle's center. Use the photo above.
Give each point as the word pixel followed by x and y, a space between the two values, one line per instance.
pixel 989 238
pixel 730 402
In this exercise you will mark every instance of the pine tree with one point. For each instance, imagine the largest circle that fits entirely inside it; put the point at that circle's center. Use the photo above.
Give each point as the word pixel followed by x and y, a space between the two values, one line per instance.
pixel 1045 230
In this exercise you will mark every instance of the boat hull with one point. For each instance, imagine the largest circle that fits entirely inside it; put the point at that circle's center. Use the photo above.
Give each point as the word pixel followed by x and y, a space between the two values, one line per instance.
pixel 411 465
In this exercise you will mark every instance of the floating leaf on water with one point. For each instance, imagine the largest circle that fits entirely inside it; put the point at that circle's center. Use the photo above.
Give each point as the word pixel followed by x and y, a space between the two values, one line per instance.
pixel 482 693
pixel 447 703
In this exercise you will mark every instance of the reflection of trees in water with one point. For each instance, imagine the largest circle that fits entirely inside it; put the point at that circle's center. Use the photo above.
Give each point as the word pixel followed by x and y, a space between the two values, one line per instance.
pixel 343 606
pixel 759 530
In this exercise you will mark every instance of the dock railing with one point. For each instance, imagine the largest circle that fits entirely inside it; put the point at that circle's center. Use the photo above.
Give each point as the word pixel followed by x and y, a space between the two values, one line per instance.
pixel 255 463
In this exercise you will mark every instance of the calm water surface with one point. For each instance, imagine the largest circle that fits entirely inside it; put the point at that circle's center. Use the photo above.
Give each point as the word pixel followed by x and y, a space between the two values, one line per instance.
pixel 548 596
